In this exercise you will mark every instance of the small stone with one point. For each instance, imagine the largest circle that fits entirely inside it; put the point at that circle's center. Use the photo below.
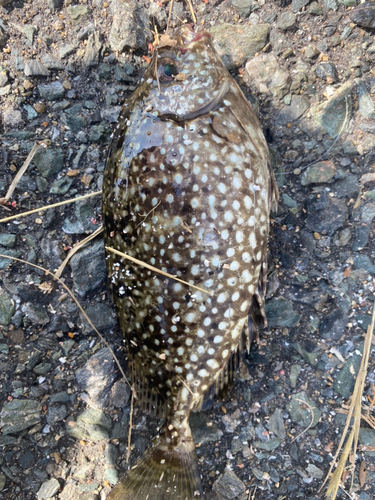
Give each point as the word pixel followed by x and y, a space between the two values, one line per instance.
pixel 129 27
pixel 77 13
pixel 97 377
pixel 302 409
pixel 42 368
pixel 311 51
pixel 19 414
pixel 291 113
pixel 269 445
pixel 236 45
pixel 320 172
pixel 12 117
pixel 40 107
pixel 66 50
pixel 93 47
pixel 280 313
pixel 48 489
pixel 61 186
pixel 89 269
pixel 327 71
pixel 49 161
pixel 111 475
pixel 51 91
pixel 35 68
pixel 100 133
pixel 298 4
pixel 7 240
pixel 326 214
pixel 27 85
pixel 228 486
pixel 56 414
pixel 294 372
pixel 6 307
pixel 243 7
pixel 333 325
pixel 35 313
pixel 366 104
pixel 286 21
pixel 52 63
pixel 364 15
pixel 345 379
pixel 276 424
pixel 203 430
pixel 264 72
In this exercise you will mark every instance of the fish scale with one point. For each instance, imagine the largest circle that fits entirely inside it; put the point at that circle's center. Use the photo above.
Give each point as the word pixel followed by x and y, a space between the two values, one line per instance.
pixel 187 189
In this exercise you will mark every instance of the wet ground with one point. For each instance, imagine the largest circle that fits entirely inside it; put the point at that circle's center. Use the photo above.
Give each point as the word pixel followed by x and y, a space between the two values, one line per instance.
pixel 65 70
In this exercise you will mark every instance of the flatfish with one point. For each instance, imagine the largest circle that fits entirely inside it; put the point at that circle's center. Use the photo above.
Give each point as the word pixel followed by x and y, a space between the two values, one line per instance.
pixel 187 192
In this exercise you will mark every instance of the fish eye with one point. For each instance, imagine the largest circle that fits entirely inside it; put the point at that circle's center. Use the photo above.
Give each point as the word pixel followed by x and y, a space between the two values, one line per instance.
pixel 167 70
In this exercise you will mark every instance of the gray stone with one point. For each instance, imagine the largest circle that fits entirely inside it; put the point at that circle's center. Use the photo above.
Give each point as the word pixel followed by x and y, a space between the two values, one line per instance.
pixel 244 7
pixel 342 237
pixel 35 68
pixel 364 15
pixel 298 4
pixel 120 393
pixel 56 414
pixel 52 253
pixel 311 51
pixel 97 377
pixel 334 115
pixel 276 424
pixel 55 4
pixel 31 113
pixel 286 21
pixel 89 269
pixel 278 41
pixel 130 27
pixel 48 489
pixel 360 238
pixel 3 79
pixel 296 109
pixel 294 372
pixel 321 172
pixel 330 5
pixel 77 13
pixel 345 379
pixel 19 414
pixel 4 262
pixel 35 313
pixel 367 438
pixel 101 316
pixel 265 73
pixel 100 133
pixel 280 313
pixel 326 214
pixel 327 71
pixel 269 445
pixel 203 430
pixel 363 262
pixel 366 104
pixel 49 161
pixel 111 475
pixel 12 117
pixel 66 50
pixel 52 91
pixel 110 454
pixel 93 47
pixel 84 213
pixel 52 63
pixel 228 486
pixel 6 308
pixel 235 45
pixel 302 409
pixel 111 114
pixel 42 368
pixel 61 186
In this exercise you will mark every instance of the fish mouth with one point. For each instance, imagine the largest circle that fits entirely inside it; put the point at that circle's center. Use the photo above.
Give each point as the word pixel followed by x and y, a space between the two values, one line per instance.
pixel 187 35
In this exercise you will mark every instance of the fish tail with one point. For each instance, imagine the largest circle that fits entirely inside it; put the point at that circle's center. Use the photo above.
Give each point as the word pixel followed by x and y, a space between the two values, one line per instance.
pixel 168 470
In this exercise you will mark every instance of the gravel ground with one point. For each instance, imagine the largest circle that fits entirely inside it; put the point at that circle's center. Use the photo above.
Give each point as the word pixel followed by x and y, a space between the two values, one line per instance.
pixel 65 70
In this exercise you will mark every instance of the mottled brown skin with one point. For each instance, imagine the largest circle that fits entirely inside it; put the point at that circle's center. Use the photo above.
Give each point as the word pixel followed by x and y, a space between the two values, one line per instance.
pixel 187 189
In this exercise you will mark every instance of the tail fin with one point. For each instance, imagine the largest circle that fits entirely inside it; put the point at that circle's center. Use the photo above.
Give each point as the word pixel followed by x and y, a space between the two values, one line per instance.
pixel 166 471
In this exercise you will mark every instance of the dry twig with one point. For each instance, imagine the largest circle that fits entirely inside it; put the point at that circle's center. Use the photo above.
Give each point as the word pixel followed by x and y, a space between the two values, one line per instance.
pixel 311 409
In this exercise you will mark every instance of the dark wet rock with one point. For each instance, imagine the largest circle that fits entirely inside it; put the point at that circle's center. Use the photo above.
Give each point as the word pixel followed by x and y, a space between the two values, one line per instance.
pixel 236 45
pixel 89 270
pixel 86 31
pixel 335 113
pixel 111 114
pixel 286 21
pixel 26 460
pixel 244 7
pixel 100 133
pixel 269 445
pixel 34 359
pixel 327 71
pixel 330 4
pixel 203 430
pixel 93 47
pixel 61 186
pixel 309 351
pixel 97 377
pixel 364 15
pixel 49 161
pixel 366 103
pixel 56 414
pixel 296 109
pixel 228 486
pixel 333 325
pixel 120 393
pixel 298 4
pixel 48 489
pixel 51 91
pixel 6 308
pixel 267 76
pixel 130 28
pixel 35 313
pixel 301 408
pixel 367 438
pixel 362 261
pixel 78 13
pixel 52 252
pixel 345 379
pixel 4 262
pixel 55 4
pixel 326 214
pixel 35 68
pixel 347 187
pixel 280 313
pixel 276 424
pixel 75 118
pixel 19 414
pixel 361 237
pixel 101 316
pixel 42 368
pixel 83 223
pixel 323 171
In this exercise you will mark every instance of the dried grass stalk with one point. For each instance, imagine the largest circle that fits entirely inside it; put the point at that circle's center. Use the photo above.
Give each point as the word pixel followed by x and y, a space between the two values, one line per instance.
pixel 155 269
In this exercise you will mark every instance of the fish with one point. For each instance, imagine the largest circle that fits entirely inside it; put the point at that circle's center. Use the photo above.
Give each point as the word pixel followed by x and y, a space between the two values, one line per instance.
pixel 187 192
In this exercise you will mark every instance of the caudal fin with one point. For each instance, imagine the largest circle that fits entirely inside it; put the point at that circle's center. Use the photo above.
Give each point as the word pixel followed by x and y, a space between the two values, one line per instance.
pixel 164 472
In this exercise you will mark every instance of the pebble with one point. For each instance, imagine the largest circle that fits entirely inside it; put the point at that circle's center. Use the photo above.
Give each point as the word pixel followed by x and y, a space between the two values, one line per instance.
pixel 228 486
pixel 129 27
pixel 302 409
pixel 51 91
pixel 345 379
pixel 280 313
pixel 297 108
pixel 286 21
pixel 237 46
pixel 88 267
pixel 48 489
pixel 267 76
pixel 19 414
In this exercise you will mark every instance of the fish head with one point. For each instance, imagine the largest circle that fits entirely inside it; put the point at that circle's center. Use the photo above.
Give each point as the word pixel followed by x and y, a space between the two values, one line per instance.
pixel 186 77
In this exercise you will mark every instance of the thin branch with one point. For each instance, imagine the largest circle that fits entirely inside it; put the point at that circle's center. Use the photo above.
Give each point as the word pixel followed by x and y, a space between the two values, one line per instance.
pixel 311 409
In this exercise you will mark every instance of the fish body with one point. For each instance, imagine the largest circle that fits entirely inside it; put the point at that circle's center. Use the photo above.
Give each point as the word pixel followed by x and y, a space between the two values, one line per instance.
pixel 187 190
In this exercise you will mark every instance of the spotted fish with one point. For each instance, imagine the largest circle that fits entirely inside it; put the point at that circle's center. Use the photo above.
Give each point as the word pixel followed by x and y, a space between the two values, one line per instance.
pixel 187 191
